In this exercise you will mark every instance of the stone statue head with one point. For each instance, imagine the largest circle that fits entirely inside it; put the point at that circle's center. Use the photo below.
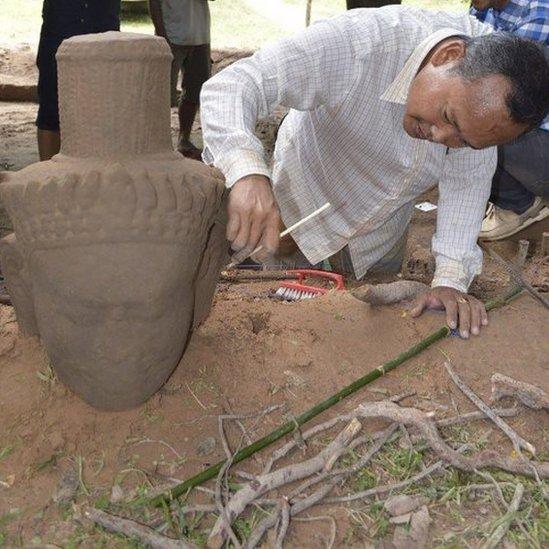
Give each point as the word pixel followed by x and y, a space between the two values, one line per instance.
pixel 118 253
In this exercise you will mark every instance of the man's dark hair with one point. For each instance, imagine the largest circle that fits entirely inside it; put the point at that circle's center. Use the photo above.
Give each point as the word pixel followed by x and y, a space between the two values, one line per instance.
pixel 521 61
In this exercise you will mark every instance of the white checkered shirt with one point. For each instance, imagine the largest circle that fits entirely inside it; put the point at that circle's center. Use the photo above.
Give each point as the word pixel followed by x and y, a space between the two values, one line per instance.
pixel 346 82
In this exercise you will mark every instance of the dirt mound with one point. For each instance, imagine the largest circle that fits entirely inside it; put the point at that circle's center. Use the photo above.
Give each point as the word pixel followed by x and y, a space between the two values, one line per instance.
pixel 251 352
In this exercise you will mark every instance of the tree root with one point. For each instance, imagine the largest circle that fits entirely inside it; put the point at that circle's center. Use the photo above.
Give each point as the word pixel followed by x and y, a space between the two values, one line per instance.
pixel 265 483
pixel 133 529
pixel 518 442
pixel 427 428
pixel 530 395
pixel 387 294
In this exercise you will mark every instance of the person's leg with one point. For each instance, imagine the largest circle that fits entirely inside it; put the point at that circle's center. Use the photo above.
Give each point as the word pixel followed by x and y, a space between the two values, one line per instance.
pixel 196 72
pixel 520 187
pixel 179 55
pixel 390 263
pixel 47 121
pixel 49 143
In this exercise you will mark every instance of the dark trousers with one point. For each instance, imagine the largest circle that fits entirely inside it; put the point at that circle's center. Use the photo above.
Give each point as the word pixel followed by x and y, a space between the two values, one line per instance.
pixel 522 172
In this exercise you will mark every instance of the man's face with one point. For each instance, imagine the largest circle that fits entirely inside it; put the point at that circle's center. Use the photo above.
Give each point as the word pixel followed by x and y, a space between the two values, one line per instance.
pixel 445 108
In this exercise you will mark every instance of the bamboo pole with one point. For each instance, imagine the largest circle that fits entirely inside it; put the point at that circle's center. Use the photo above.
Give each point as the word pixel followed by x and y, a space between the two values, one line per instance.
pixel 306 416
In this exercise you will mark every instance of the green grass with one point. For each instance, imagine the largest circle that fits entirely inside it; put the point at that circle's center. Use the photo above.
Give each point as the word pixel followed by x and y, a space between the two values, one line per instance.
pixel 244 24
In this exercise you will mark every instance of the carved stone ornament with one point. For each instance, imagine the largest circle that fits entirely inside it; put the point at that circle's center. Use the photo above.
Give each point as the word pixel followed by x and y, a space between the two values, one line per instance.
pixel 118 241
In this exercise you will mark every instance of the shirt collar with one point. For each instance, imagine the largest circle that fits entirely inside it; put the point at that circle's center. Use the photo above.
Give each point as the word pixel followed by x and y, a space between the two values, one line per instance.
pixel 397 92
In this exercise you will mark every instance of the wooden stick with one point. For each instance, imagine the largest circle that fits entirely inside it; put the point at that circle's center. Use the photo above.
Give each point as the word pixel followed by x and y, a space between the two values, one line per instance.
pixel 516 439
pixel 287 231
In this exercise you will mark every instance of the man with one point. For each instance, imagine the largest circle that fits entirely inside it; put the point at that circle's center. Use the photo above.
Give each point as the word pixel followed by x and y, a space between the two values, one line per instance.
pixel 62 19
pixel 185 24
pixel 520 187
pixel 384 103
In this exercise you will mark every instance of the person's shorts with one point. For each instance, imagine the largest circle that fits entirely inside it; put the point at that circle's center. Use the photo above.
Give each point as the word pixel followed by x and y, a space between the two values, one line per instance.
pixel 195 64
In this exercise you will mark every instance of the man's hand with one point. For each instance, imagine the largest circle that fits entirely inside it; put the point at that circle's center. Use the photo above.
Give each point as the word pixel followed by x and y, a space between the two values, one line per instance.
pixel 253 217
pixel 470 311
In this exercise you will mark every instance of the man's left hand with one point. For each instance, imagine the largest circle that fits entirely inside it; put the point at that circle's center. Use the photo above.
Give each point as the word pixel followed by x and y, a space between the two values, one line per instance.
pixel 463 308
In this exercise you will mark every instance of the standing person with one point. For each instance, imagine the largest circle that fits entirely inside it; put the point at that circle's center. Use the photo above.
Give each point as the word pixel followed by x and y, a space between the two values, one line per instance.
pixel 520 187
pixel 185 24
pixel 62 19
pixel 384 103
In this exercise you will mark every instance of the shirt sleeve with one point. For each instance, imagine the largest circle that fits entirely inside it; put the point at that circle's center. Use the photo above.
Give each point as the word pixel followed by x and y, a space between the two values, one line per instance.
pixel 464 189
pixel 534 27
pixel 303 72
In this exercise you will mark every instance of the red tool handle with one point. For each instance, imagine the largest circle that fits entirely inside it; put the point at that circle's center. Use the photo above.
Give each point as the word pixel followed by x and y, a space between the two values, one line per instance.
pixel 337 279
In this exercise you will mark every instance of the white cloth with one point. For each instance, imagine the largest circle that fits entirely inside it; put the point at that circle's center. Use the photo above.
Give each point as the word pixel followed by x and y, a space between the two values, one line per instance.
pixel 187 22
pixel 346 82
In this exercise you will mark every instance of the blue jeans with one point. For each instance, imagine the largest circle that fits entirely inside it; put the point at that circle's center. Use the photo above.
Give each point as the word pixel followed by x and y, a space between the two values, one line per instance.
pixel 522 172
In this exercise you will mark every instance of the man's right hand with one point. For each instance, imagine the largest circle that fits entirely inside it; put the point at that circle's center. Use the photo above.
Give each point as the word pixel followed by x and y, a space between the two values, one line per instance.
pixel 254 218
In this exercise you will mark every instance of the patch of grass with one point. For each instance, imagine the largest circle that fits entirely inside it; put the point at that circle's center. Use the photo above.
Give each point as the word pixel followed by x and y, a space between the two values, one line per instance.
pixel 47 376
pixel 364 479
pixel 373 523
pixel 244 525
pixel 6 451
pixel 46 463
pixel 400 463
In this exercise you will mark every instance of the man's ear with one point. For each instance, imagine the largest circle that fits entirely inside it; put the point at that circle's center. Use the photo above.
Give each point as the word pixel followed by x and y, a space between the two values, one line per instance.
pixel 448 51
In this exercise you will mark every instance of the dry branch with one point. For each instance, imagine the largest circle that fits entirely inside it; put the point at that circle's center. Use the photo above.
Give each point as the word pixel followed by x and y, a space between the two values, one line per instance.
pixel 335 477
pixel 265 483
pixel 284 522
pixel 284 450
pixel 471 416
pixel 427 427
pixel 529 395
pixel 516 439
pixel 133 529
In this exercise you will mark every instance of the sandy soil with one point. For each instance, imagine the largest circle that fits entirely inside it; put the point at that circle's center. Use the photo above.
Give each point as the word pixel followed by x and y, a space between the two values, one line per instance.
pixel 252 352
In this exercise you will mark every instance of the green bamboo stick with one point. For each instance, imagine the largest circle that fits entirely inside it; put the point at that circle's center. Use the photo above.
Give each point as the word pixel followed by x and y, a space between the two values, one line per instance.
pixel 275 435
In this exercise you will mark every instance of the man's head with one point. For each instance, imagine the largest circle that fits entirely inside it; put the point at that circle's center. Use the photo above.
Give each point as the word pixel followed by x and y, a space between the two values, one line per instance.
pixel 478 92
pixel 485 4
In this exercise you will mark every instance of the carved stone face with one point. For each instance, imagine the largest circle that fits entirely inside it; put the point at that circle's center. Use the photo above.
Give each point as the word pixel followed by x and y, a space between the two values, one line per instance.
pixel 115 284
pixel 118 240
pixel 114 317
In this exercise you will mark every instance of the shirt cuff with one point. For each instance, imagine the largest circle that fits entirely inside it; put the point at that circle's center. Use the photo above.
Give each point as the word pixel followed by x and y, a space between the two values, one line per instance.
pixel 451 273
pixel 238 164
